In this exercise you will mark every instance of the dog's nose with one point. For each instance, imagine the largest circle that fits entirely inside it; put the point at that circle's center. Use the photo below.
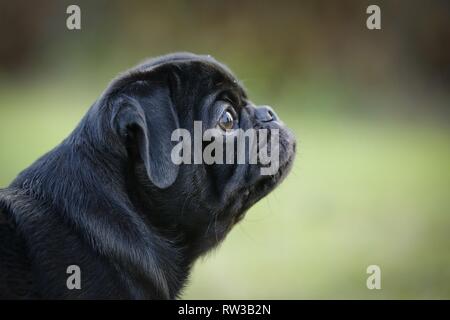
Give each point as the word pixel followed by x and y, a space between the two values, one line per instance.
pixel 265 114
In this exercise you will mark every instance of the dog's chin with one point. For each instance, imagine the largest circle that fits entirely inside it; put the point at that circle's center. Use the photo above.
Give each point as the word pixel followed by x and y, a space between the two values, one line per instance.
pixel 266 183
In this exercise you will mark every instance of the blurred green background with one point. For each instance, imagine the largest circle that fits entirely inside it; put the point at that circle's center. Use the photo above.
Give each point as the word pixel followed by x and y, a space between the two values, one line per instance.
pixel 370 110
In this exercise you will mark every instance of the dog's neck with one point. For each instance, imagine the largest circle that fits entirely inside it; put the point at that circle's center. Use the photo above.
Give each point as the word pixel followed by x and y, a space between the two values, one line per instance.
pixel 92 197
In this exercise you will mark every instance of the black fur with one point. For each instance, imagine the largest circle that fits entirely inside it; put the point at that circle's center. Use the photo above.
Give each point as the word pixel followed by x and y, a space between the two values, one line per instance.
pixel 109 199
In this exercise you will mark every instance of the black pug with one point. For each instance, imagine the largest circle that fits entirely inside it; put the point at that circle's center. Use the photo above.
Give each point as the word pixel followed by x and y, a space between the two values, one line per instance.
pixel 109 199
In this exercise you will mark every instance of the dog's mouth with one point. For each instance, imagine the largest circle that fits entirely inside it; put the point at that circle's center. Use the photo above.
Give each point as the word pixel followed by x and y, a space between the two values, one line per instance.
pixel 265 184
pixel 268 183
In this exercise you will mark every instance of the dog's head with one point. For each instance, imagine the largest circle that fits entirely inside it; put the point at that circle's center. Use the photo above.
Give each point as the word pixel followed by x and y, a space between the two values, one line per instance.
pixel 155 114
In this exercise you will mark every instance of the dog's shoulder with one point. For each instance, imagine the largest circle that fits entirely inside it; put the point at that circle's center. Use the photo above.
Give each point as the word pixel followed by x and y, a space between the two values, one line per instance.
pixel 15 268
pixel 7 227
pixel 3 220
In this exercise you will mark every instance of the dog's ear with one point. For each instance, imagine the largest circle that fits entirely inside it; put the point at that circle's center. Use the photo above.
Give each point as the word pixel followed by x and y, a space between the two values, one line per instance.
pixel 144 115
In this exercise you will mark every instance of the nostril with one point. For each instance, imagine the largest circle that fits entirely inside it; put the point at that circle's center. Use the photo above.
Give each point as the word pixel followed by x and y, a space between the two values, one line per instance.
pixel 269 115
pixel 265 114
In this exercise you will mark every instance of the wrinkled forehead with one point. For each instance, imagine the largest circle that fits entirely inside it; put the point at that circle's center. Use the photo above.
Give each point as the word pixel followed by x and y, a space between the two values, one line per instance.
pixel 200 65
pixel 177 58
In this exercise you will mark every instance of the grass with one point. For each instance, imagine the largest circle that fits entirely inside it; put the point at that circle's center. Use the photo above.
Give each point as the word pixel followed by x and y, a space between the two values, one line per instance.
pixel 363 191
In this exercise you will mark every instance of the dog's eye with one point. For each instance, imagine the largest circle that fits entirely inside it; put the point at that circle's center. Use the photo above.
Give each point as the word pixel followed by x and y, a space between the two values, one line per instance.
pixel 226 121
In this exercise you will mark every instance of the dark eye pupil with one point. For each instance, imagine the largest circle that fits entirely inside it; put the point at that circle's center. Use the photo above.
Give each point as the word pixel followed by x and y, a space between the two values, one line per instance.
pixel 226 122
